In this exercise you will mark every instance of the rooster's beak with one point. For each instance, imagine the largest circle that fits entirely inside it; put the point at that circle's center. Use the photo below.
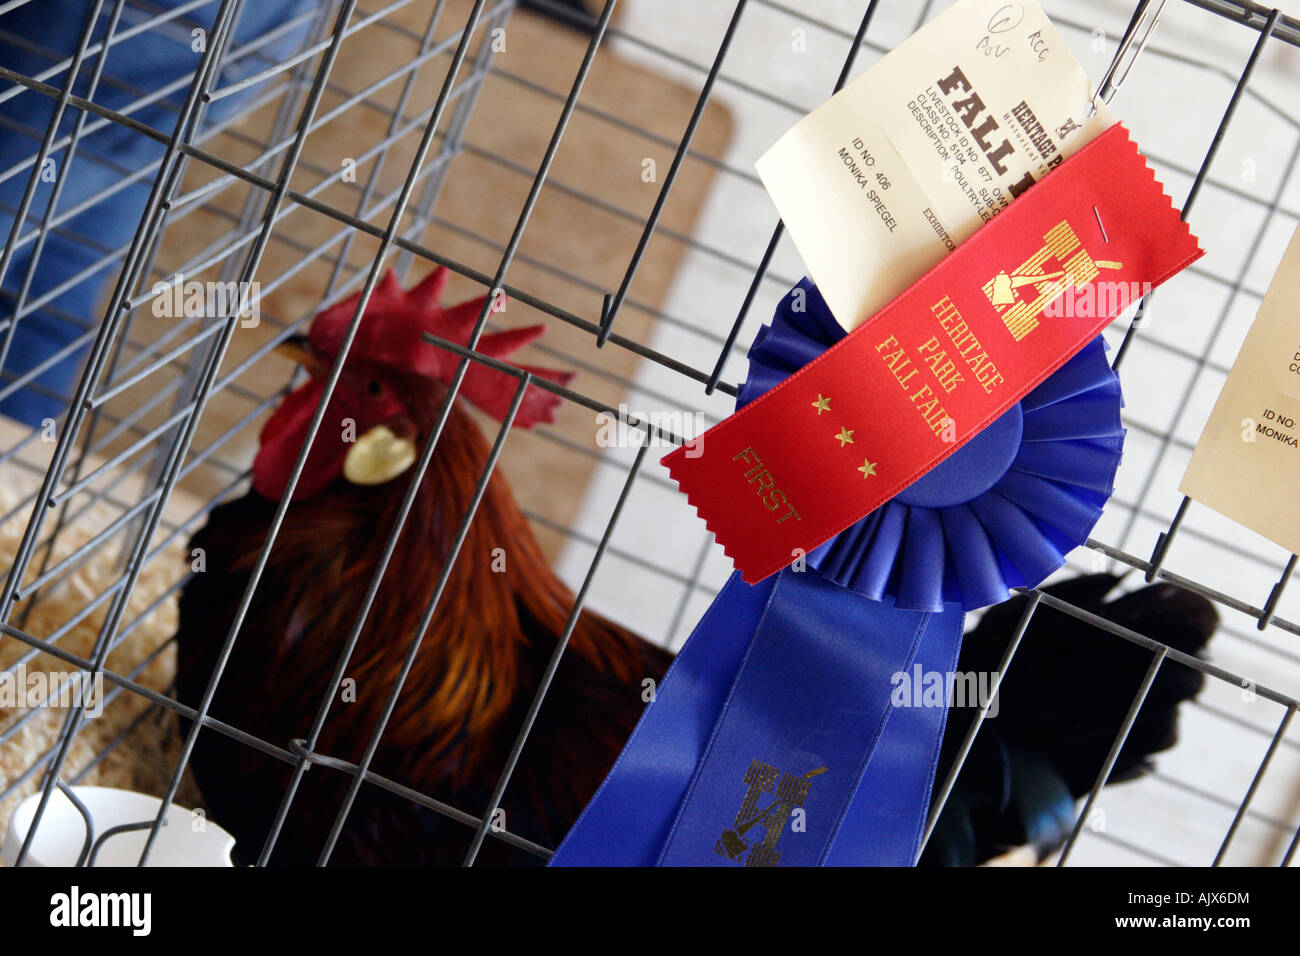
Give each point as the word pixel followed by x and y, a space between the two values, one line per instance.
pixel 297 348
pixel 378 456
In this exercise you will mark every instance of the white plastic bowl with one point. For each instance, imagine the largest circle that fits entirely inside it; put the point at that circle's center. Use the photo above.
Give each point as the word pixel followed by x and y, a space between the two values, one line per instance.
pixel 63 831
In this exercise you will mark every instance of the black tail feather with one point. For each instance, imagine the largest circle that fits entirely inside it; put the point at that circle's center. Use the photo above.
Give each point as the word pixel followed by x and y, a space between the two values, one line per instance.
pixel 1061 704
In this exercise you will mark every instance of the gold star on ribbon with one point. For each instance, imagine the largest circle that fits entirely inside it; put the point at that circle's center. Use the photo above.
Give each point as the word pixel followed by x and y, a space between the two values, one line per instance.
pixel 868 468
pixel 845 436
pixel 822 404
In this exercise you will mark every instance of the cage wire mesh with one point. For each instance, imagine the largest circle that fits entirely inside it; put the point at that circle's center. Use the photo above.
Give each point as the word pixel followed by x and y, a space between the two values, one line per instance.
pixel 308 149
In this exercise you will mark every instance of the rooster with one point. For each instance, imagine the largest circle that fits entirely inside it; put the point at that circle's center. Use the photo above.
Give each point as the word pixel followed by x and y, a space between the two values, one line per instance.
pixel 482 657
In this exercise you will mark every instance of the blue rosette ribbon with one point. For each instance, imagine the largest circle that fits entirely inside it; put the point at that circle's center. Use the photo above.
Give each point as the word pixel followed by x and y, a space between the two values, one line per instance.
pixel 774 737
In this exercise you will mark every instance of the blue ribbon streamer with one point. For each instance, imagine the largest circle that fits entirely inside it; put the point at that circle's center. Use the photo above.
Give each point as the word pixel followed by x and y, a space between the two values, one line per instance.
pixel 774 737
pixel 800 669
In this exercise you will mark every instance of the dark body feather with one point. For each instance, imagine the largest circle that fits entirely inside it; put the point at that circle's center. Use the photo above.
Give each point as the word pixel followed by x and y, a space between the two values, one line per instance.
pixel 465 698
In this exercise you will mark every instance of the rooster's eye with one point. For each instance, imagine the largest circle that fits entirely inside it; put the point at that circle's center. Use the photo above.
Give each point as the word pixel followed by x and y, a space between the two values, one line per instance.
pixel 374 388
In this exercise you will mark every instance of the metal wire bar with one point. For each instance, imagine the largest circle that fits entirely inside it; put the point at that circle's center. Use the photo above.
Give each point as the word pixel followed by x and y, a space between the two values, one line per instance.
pixel 1138 563
pixel 1171 348
pixel 395 123
pixel 626 125
pixel 332 379
pixel 76 776
pixel 1290 850
pixel 390 704
pixel 1166 346
pixel 940 799
pixel 446 809
pixel 99 353
pixel 453 142
pixel 91 49
pixel 87 550
pixel 166 703
pixel 303 56
pixel 246 363
pixel 573 535
pixel 1183 786
pixel 158 602
pixel 659 432
pixel 1165 539
pixel 289 105
pixel 1254 16
pixel 158 97
pixel 162 702
pixel 147 693
pixel 1138 699
pixel 1275 595
pixel 316 758
pixel 375 231
pixel 127 423
pixel 564 13
pixel 453 389
pixel 858 39
pixel 111 696
pixel 108 329
pixel 126 629
pixel 613 303
pixel 692 584
pixel 1242 82
pixel 204 387
pixel 118 831
pixel 402 243
pixel 1172 653
pixel 1254 785
pixel 1035 596
pixel 156 22
pixel 56 193
pixel 87 849
pixel 587 199
pixel 1239 721
pixel 29 193
pixel 553 664
pixel 1133 848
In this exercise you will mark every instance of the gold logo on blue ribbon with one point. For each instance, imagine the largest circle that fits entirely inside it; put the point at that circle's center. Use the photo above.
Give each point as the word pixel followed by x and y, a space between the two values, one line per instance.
pixel 789 791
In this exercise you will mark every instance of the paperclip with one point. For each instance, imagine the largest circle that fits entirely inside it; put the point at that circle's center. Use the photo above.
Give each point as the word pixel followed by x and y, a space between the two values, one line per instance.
pixel 1109 82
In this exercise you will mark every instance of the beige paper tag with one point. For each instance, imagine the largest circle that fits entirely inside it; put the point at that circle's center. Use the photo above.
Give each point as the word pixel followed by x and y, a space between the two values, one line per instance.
pixel 1246 464
pixel 883 180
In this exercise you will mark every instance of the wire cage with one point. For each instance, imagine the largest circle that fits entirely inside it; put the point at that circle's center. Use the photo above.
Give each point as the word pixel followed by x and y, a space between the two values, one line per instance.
pixel 308 147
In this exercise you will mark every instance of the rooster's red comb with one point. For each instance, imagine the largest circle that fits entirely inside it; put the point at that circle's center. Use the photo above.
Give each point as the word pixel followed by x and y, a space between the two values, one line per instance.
pixel 390 334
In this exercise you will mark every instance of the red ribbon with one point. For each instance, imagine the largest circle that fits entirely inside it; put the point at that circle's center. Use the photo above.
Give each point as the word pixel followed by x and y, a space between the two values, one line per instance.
pixel 921 377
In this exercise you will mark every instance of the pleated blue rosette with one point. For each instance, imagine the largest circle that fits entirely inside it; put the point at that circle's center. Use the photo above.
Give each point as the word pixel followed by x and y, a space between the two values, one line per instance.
pixel 1000 513
pixel 774 737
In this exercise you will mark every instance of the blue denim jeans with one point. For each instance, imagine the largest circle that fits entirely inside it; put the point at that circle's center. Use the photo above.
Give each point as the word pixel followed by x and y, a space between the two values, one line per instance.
pixel 32 39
